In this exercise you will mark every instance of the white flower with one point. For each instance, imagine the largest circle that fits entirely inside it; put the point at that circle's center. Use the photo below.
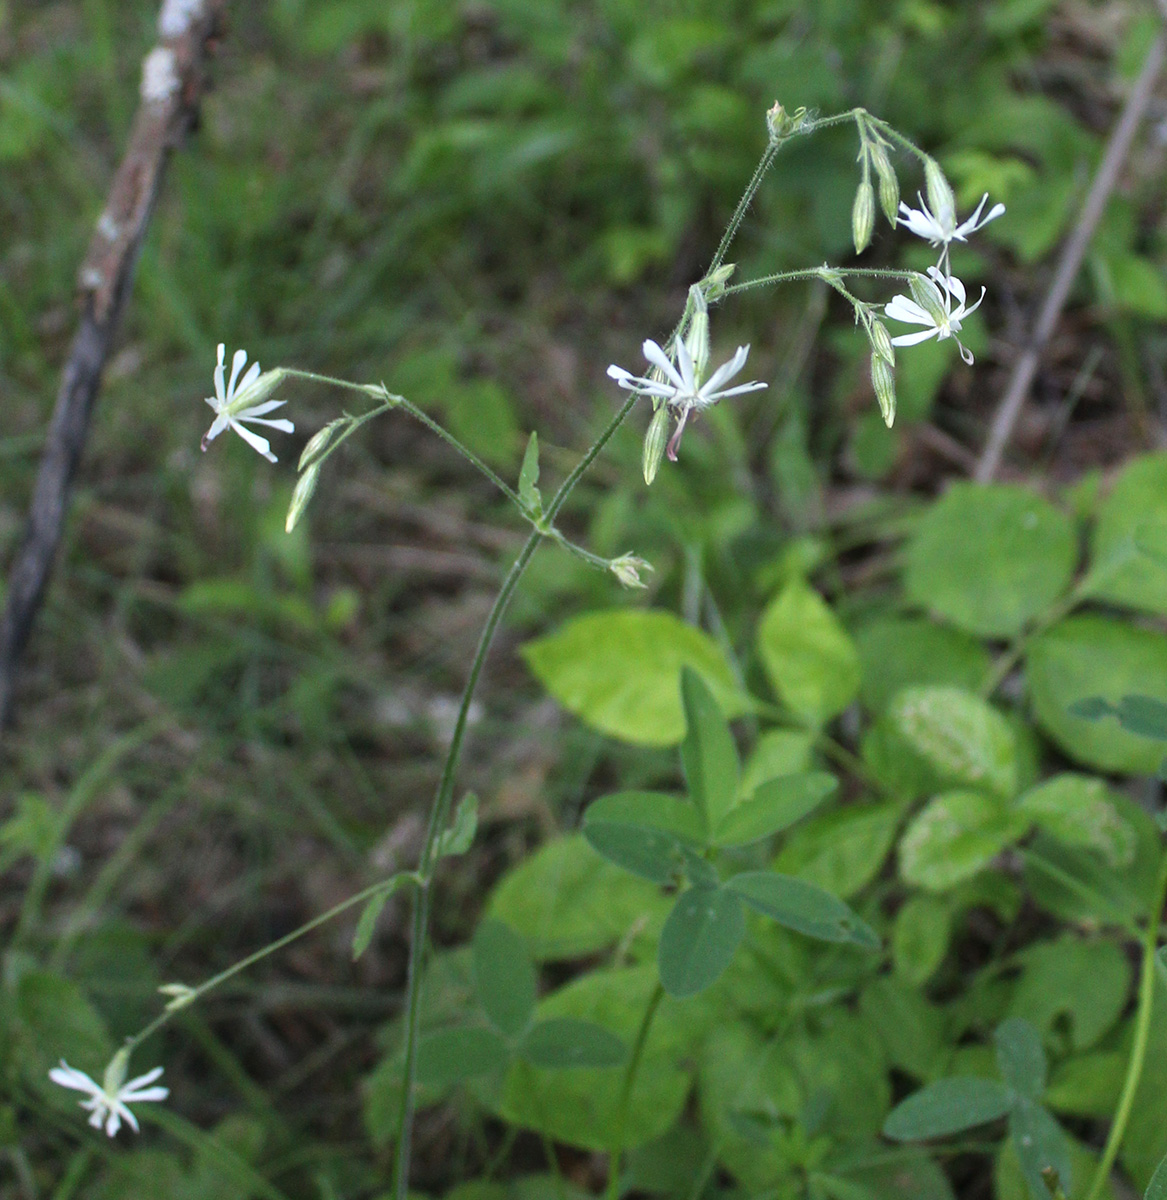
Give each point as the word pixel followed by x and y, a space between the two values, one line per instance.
pixel 942 229
pixel 107 1103
pixel 932 307
pixel 245 402
pixel 681 390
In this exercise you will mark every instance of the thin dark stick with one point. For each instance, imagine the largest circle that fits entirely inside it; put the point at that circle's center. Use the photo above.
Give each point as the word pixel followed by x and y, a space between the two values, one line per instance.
pixel 1005 418
pixel 173 82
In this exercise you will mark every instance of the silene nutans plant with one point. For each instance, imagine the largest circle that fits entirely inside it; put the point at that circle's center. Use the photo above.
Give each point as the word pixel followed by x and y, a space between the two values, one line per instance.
pixel 736 976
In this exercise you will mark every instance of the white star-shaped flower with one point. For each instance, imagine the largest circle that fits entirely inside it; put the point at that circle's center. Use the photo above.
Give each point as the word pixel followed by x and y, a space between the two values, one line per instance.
pixel 941 229
pixel 933 308
pixel 245 401
pixel 108 1104
pixel 681 390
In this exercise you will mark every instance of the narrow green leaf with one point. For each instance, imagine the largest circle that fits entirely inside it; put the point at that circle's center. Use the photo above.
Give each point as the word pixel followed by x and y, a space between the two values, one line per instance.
pixel 801 906
pixel 1041 1145
pixel 367 921
pixel 564 1042
pixel 1157 1188
pixel 774 806
pixel 504 977
pixel 699 938
pixel 948 1106
pixel 451 1055
pixel 529 477
pixel 708 753
pixel 460 836
pixel 652 810
pixel 649 853
pixel 1020 1056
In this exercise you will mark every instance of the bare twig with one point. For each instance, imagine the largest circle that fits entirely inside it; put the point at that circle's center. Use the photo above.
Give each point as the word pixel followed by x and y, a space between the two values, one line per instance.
pixel 1005 418
pixel 173 82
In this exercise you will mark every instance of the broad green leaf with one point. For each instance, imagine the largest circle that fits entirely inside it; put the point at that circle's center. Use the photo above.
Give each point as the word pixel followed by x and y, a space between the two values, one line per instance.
pixel 1087 1085
pixel 649 853
pixel 651 810
pixel 948 1106
pixel 708 753
pixel 808 655
pixel 563 1042
pixel 774 806
pixel 960 736
pixel 580 1107
pixel 1076 809
pixel 452 1055
pixel 843 850
pixel 1121 573
pixel 504 977
pixel 990 558
pixel 777 752
pixel 900 652
pixel 619 671
pixel 799 905
pixel 911 1028
pixel 955 835
pixel 1087 656
pixel 1157 1188
pixel 367 921
pixel 700 936
pixel 920 937
pixel 566 902
pixel 1072 988
pixel 1020 1056
pixel 1040 1144
pixel 460 835
pixel 529 476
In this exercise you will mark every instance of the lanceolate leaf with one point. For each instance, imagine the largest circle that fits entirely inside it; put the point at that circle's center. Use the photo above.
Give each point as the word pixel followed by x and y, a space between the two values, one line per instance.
pixel 802 906
pixel 1040 1145
pixel 1020 1056
pixel 529 477
pixel 708 751
pixel 649 853
pixel 948 1106
pixel 504 977
pixel 776 804
pixel 1157 1188
pixel 367 922
pixel 451 1055
pixel 566 1042
pixel 699 938
pixel 653 810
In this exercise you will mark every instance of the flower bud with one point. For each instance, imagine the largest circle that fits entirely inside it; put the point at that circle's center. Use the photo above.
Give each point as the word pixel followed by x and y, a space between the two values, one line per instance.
pixel 627 569
pixel 863 216
pixel 318 443
pixel 713 285
pixel 881 342
pixel 180 995
pixel 782 124
pixel 889 185
pixel 305 486
pixel 940 198
pixel 654 443
pixel 883 380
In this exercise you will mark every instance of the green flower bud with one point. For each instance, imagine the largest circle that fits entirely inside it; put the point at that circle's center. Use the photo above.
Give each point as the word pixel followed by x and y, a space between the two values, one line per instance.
pixel 782 125
pixel 940 198
pixel 881 342
pixel 627 569
pixel 654 443
pixel 713 285
pixel 889 185
pixel 883 380
pixel 305 486
pixel 863 216
pixel 318 443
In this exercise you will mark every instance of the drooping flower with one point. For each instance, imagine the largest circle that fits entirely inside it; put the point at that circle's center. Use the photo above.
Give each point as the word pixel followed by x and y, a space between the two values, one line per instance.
pixel 245 400
pixel 681 388
pixel 941 228
pixel 932 307
pixel 108 1101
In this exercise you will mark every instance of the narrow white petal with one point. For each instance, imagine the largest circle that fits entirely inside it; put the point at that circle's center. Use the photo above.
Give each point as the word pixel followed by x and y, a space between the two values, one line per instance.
pixel 912 339
pixel 70 1077
pixel 262 445
pixel 726 371
pixel 652 386
pixel 219 392
pixel 257 410
pixel 236 366
pixel 154 1093
pixel 659 358
pixel 149 1077
pixel 97 1119
pixel 280 423
pixel 688 371
pixel 735 391
pixel 900 308
pixel 974 307
pixel 250 376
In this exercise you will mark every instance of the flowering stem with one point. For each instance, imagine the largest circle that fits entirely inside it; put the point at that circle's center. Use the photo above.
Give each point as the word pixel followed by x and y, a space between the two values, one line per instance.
pixel 1138 1058
pixel 829 274
pixel 625 1100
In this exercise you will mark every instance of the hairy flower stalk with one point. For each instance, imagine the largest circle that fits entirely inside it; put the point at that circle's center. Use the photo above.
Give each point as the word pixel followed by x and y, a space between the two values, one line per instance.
pixel 681 389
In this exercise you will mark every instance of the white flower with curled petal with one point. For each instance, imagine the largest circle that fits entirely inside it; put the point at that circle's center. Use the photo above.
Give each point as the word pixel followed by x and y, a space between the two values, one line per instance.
pixel 680 388
pixel 932 307
pixel 941 228
pixel 245 400
pixel 107 1103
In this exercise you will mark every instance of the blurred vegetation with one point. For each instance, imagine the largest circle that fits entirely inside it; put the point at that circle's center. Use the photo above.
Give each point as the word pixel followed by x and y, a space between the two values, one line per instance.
pixel 223 730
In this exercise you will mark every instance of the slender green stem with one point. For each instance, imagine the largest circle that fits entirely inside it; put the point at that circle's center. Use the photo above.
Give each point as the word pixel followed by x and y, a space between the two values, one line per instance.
pixel 624 1103
pixel 825 273
pixel 194 994
pixel 1138 1058
pixel 743 205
